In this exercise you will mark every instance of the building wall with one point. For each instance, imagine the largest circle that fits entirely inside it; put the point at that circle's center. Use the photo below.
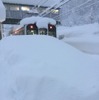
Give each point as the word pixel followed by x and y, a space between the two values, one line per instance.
pixel 16 12
pixel 78 12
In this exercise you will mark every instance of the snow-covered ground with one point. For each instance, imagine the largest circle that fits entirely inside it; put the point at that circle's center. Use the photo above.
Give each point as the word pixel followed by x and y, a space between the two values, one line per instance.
pixel 84 37
pixel 79 31
pixel 45 68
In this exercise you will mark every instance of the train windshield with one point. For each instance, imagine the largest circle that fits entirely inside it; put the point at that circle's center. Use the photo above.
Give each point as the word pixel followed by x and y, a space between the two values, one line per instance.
pixel 42 31
pixel 31 29
pixel 52 30
pixel 17 30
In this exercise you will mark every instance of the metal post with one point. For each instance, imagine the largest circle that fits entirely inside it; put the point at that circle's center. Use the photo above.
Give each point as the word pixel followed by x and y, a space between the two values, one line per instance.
pixel 0 31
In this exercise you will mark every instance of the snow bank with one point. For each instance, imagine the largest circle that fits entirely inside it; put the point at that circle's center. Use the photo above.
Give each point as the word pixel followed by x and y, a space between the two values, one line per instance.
pixel 45 68
pixel 2 12
pixel 84 38
pixel 86 44
pixel 78 31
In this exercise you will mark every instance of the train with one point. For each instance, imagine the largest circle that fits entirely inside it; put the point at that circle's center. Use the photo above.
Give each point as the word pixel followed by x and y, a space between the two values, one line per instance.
pixel 35 26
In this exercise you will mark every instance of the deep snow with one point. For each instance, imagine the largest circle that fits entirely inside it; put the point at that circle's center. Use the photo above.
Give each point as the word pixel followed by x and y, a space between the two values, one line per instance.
pixel 45 68
pixel 84 37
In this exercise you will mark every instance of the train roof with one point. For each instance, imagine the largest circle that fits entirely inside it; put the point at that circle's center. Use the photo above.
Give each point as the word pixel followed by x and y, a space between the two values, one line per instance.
pixel 41 22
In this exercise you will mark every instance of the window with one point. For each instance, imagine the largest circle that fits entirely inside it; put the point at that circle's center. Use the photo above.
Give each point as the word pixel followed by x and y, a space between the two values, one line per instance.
pixel 55 11
pixel 43 31
pixel 14 7
pixel 31 29
pixel 25 8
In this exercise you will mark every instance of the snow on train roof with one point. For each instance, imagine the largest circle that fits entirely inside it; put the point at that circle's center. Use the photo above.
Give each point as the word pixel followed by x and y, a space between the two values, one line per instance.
pixel 42 22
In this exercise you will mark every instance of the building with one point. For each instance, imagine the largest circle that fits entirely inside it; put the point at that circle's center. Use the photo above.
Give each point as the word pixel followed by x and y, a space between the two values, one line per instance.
pixel 19 9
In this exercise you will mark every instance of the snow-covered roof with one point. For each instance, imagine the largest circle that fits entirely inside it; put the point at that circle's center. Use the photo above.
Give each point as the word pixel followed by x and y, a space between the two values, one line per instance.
pixel 2 12
pixel 32 2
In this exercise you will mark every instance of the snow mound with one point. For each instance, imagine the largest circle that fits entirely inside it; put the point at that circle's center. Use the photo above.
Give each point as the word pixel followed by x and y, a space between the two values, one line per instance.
pixel 45 68
pixel 86 44
pixel 78 31
pixel 84 37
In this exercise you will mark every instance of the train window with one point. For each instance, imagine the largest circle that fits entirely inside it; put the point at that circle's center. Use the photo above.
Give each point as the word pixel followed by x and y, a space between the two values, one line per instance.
pixel 14 7
pixel 42 31
pixel 52 30
pixel 31 29
pixel 25 8
pixel 19 31
pixel 55 11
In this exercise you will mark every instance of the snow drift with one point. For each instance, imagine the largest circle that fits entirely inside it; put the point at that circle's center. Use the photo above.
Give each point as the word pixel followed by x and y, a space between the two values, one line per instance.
pixel 84 37
pixel 45 68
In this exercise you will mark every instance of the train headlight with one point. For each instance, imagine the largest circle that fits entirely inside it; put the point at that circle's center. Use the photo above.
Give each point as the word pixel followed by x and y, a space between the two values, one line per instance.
pixel 31 26
pixel 51 27
pixel 32 31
